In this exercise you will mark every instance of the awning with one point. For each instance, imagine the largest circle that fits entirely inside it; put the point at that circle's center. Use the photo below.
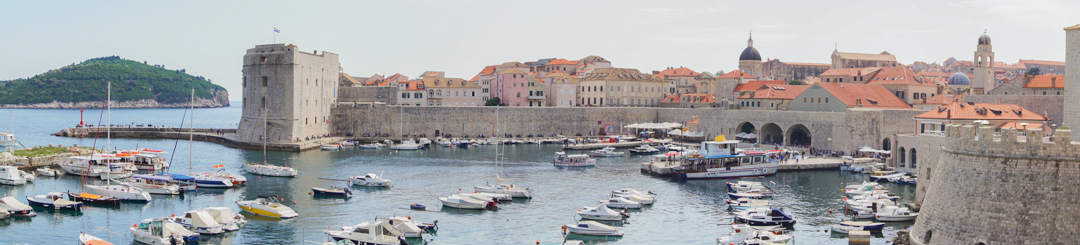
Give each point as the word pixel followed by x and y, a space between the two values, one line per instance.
pixel 664 125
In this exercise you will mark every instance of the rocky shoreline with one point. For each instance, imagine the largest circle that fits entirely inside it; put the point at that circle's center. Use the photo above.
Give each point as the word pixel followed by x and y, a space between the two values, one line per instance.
pixel 135 104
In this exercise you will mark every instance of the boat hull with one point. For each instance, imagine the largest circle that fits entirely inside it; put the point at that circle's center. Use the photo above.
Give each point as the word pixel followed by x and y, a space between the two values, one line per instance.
pixel 328 192
pixel 124 193
pixel 269 171
pixel 12 181
pixel 97 201
pixel 47 205
pixel 574 231
pixel 750 171
pixel 602 217
pixel 458 205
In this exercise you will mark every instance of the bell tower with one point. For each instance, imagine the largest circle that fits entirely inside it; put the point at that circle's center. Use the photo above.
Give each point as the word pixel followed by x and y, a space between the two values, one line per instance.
pixel 983 65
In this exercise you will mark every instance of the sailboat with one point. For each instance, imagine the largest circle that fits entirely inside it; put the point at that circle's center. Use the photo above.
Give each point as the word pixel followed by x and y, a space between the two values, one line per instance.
pixel 201 180
pixel 407 145
pixel 8 138
pixel 264 168
pixel 502 187
pixel 122 192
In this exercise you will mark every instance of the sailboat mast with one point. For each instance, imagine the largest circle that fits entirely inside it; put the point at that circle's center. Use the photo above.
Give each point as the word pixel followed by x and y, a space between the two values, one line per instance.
pixel 108 103
pixel 191 134
pixel 265 124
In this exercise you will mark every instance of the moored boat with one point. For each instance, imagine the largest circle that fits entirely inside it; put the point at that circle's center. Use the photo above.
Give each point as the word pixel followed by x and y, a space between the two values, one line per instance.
pixel 199 221
pixel 602 212
pixel 230 221
pixel 577 160
pixel 774 216
pixel 87 239
pixel 331 146
pixel 463 202
pixel 88 198
pixel 333 191
pixel 50 172
pixel 10 175
pixel 124 193
pixel 619 202
pixel 267 206
pixel 371 179
pixel 16 208
pixel 270 170
pixel 717 159
pixel 154 184
pixel 607 152
pixel 592 228
pixel 746 234
pixel 154 231
pixel 377 233
pixel 644 150
pixel 54 200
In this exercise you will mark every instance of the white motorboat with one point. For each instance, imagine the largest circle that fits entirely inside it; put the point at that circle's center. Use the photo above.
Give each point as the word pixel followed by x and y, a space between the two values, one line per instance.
pixel 633 191
pixel 331 147
pixel 122 192
pixel 754 195
pixel 406 226
pixel 674 147
pixel 16 208
pixel 859 189
pixel 514 191
pixel 908 180
pixel 347 143
pixel 880 194
pixel 843 229
pixel 406 145
pixel 223 172
pixel 424 141
pixel 50 172
pixel 54 200
pixel 577 160
pixel 644 150
pixel 146 159
pixel 154 184
pixel 7 139
pixel 602 212
pixel 199 221
pixel 370 146
pixel 868 205
pixel 177 229
pixel 230 221
pixel 861 225
pixel 746 234
pixel 489 196
pixel 592 228
pixel 894 214
pixel 774 216
pixel 10 175
pixel 371 179
pixel 607 152
pixel 153 231
pixel 267 206
pixel 90 166
pixel 4 213
pixel 446 143
pixel 880 177
pixel 376 233
pixel 534 141
pixel 87 239
pixel 270 170
pixel 619 202
pixel 748 203
pixel 747 186
pixel 463 202
pixel 643 199
pixel 28 176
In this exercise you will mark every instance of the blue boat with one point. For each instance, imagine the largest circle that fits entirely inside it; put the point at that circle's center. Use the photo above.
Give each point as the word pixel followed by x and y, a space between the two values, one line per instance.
pixel 775 216
pixel 864 225
pixel 54 200
pixel 187 183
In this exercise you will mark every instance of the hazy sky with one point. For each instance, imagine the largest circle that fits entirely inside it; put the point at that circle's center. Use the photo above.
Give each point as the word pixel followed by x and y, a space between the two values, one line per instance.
pixel 209 38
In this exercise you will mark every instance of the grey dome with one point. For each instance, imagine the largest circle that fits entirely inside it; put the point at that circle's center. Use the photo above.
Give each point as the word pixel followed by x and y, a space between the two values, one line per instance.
pixel 984 39
pixel 959 79
pixel 750 53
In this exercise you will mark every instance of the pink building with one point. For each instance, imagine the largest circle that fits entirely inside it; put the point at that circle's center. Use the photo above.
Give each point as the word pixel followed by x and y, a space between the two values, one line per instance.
pixel 511 86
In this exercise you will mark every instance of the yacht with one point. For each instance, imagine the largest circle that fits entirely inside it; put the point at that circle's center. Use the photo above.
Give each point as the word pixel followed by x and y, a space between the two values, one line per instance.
pixel 267 206
pixel 10 175
pixel 199 221
pixel 607 152
pixel 153 184
pixel 16 208
pixel 602 212
pixel 644 150
pixel 144 161
pixel 153 231
pixel 54 200
pixel 230 221
pixel 371 179
pixel 592 228
pixel 375 233
pixel 773 216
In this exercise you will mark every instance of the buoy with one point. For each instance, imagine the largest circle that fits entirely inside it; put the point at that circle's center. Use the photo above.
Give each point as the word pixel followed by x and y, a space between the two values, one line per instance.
pixel 282 199
pixel 309 193
pixel 293 202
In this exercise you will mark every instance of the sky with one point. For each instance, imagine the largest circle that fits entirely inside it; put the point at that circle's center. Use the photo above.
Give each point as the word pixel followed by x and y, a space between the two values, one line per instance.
pixel 209 38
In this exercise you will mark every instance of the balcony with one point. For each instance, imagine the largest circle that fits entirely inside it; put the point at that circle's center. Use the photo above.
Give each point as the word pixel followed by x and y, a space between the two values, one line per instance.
pixel 536 97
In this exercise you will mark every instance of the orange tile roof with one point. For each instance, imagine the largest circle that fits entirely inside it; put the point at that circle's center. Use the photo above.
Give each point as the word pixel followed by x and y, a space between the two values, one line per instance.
pixel 488 70
pixel 433 74
pixel 1046 81
pixel 475 78
pixel 681 71
pixel 896 75
pixel 691 98
pixel 981 111
pixel 783 92
pixel 1017 125
pixel 1042 62
pixel 941 99
pixel 413 85
pixel 849 71
pixel 934 74
pixel 431 82
pixel 736 74
pixel 512 70
pixel 872 96
pixel 563 62
pixel 754 85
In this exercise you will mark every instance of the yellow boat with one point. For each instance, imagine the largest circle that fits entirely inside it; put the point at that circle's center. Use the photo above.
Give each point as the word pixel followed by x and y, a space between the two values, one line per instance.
pixel 267 206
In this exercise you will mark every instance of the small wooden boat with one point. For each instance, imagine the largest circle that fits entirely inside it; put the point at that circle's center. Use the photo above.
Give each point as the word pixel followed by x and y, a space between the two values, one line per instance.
pixel 333 191
pixel 418 206
pixel 93 199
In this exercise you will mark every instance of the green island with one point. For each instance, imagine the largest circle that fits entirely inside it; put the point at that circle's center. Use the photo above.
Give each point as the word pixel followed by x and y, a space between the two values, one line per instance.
pixel 131 81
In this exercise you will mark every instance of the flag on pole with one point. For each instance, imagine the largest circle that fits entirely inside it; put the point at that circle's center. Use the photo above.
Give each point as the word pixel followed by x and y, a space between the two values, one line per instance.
pixel 276 30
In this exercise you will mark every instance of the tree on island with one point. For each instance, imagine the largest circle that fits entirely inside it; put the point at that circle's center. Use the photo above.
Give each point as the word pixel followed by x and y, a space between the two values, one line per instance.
pixel 494 101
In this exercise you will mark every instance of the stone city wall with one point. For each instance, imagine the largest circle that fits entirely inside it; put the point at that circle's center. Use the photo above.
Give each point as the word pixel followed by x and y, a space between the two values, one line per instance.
pixel 367 94
pixel 1050 106
pixel 1000 189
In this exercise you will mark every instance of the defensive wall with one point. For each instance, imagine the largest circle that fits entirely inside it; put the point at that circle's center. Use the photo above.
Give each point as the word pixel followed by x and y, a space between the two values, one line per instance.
pixel 367 94
pixel 843 131
pixel 1016 187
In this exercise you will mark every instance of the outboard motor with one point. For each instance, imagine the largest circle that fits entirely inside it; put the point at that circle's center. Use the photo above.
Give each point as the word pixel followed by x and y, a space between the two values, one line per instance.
pixel 401 240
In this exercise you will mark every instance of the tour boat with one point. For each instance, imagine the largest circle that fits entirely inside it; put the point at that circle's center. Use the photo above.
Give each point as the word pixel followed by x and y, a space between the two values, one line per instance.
pixel 90 166
pixel 602 212
pixel 577 160
pixel 153 231
pixel 16 208
pixel 54 200
pixel 149 160
pixel 717 159
pixel 775 216
pixel 223 172
pixel 592 228
pixel 87 239
pixel 27 176
pixel 406 226
pixel 644 150
pixel 747 203
pixel 230 221
pixel 10 175
pixel 746 234
pixel 371 179
pixel 160 185
pixel 270 170
pixel 267 206
pixel 199 221
pixel 331 146
pixel 894 213
pixel 374 233
pixel 50 172
pixel 88 198
pixel 124 193
pixel 333 191
pixel 463 202
pixel 607 152
pixel 619 202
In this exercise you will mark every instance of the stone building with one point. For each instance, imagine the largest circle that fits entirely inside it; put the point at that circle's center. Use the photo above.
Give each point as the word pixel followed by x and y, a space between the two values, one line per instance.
pixel 680 80
pixel 751 86
pixel 688 101
pixel 770 97
pixel 443 91
pixel 411 93
pixel 1044 66
pixel 788 71
pixel 537 90
pixel 750 59
pixel 486 80
pixel 904 83
pixel 287 94
pixel 1072 76
pixel 839 97
pixel 510 86
pixel 620 87
pixel 859 60
pixel 725 85
pixel 1049 84
pixel 984 66
pixel 562 89
pixel 849 75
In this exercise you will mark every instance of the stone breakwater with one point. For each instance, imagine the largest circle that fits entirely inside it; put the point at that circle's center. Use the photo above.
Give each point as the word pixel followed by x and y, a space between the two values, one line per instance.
pixel 999 189
pixel 6 159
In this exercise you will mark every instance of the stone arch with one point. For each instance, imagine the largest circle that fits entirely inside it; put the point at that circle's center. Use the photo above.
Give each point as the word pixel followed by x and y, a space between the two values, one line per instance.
pixel 914 158
pixel 900 157
pixel 771 133
pixel 929 234
pixel 886 145
pixel 745 127
pixel 799 135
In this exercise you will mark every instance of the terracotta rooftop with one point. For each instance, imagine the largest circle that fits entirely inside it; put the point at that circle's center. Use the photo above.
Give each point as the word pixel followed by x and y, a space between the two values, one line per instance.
pixel 981 111
pixel 934 74
pixel 620 74
pixel 1042 62
pixel 431 82
pixel 512 70
pixel 941 99
pixel 850 71
pixel 413 85
pixel 689 98
pixel 736 74
pixel 755 85
pixel 488 70
pixel 1046 81
pixel 475 78
pixel 896 75
pixel 563 62
pixel 871 96
pixel 782 92
pixel 681 71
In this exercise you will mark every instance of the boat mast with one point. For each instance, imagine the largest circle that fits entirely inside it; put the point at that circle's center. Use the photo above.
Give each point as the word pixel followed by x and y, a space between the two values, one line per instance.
pixel 191 133
pixel 497 130
pixel 108 103
pixel 265 124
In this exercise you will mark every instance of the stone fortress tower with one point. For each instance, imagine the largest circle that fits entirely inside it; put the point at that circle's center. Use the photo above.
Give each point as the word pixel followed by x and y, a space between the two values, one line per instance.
pixel 983 66
pixel 1072 77
pixel 750 59
pixel 291 90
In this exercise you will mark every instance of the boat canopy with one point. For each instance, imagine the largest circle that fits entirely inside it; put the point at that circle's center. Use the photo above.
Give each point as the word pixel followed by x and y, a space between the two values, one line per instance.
pixel 13 203
pixel 664 125
pixel 152 177
pixel 222 214
pixel 179 177
pixel 202 219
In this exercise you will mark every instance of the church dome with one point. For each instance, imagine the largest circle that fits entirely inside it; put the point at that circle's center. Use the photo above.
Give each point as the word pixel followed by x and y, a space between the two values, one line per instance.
pixel 750 53
pixel 984 39
pixel 959 79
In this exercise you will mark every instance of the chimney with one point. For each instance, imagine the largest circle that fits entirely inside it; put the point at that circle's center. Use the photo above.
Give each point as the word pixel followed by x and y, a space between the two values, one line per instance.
pixel 1053 82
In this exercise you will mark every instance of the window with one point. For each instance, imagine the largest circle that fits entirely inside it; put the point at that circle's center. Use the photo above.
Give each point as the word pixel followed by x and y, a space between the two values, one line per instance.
pixel 264 59
pixel 601 88
pixel 404 95
pixel 519 94
pixel 826 99
pixel 1044 92
pixel 264 81
pixel 803 99
pixel 473 93
pixel 243 83
pixel 485 90
pixel 530 94
pixel 419 95
pixel 819 100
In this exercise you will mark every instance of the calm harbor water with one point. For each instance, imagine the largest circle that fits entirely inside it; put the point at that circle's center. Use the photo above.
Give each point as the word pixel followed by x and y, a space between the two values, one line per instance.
pixel 692 212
